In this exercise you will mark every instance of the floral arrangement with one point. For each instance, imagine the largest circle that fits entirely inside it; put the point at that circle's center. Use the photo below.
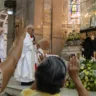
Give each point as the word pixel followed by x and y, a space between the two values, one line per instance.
pixel 73 36
pixel 87 75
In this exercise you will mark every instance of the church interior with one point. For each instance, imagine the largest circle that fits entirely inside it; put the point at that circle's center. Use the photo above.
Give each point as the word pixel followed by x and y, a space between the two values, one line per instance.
pixel 61 27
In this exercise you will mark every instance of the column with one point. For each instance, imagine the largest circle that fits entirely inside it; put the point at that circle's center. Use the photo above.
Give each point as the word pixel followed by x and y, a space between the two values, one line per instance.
pixel 57 38
pixel 22 10
pixel 38 18
pixel 31 11
pixel 10 36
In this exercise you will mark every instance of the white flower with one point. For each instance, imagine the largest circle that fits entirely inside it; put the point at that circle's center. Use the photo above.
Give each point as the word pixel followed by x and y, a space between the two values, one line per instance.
pixel 82 59
pixel 92 60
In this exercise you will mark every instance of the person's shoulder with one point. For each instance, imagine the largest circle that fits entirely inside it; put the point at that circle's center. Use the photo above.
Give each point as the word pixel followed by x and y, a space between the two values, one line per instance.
pixel 27 92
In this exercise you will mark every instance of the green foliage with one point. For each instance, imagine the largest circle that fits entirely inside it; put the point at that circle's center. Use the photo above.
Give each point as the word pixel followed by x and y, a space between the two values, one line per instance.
pixel 73 36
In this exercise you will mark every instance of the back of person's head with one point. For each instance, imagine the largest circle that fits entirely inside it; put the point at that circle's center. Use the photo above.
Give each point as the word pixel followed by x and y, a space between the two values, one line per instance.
pixel 50 75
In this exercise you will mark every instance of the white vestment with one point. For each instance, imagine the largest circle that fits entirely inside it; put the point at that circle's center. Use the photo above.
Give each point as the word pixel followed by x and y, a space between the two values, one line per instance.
pixel 2 47
pixel 35 53
pixel 25 68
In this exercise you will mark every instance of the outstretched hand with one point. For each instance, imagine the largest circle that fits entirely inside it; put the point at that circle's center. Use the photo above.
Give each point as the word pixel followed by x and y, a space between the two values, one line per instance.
pixel 73 68
pixel 21 30
pixel 20 33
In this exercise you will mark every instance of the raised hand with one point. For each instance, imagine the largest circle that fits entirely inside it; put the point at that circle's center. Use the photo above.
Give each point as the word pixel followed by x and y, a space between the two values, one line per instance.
pixel 73 68
pixel 20 27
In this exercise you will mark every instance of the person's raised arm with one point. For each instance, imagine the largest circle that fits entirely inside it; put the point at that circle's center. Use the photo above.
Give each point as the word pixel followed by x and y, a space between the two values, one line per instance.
pixel 8 66
pixel 73 72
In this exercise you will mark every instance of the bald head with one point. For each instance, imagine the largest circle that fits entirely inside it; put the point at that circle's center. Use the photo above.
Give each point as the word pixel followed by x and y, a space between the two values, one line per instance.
pixel 30 29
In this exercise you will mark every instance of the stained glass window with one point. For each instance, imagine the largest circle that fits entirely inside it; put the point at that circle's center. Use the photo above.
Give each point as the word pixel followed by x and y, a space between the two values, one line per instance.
pixel 74 12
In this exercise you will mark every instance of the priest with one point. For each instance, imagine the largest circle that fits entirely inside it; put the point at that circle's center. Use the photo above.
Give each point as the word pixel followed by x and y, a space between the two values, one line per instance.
pixel 25 68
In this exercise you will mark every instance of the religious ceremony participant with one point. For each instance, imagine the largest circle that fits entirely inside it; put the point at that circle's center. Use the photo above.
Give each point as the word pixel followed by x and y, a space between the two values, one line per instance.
pixel 25 68
pixel 2 45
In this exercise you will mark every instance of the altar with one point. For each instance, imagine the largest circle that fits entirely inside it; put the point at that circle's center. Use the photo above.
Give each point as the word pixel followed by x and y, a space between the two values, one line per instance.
pixel 68 50
pixel 72 46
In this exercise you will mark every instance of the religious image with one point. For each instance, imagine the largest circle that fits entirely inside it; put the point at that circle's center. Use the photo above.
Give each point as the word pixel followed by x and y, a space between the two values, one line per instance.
pixel 74 11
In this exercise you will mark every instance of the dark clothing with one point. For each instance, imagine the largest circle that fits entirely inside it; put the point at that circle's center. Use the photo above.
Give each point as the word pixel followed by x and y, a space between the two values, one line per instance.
pixel 88 48
pixel 94 44
pixel 82 47
pixel 27 84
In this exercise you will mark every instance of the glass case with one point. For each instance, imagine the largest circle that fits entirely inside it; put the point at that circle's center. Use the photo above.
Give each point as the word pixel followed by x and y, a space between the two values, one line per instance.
pixel 88 17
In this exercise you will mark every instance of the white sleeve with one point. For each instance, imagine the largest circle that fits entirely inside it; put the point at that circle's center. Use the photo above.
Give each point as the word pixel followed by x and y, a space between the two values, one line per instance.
pixel 27 45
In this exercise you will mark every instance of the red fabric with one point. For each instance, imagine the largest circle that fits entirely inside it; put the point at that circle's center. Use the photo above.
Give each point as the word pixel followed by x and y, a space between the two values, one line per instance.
pixel 31 36
pixel 36 66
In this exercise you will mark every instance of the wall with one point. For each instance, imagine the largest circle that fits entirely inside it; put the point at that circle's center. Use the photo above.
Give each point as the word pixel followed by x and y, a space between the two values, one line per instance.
pixel 48 17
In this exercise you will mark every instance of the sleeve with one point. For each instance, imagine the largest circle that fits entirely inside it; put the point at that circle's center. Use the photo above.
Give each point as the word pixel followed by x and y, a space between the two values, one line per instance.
pixel 28 43
pixel 26 46
pixel 1 79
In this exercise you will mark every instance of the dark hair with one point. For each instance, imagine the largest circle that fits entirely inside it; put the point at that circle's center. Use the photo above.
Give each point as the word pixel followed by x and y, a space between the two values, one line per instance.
pixel 50 75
